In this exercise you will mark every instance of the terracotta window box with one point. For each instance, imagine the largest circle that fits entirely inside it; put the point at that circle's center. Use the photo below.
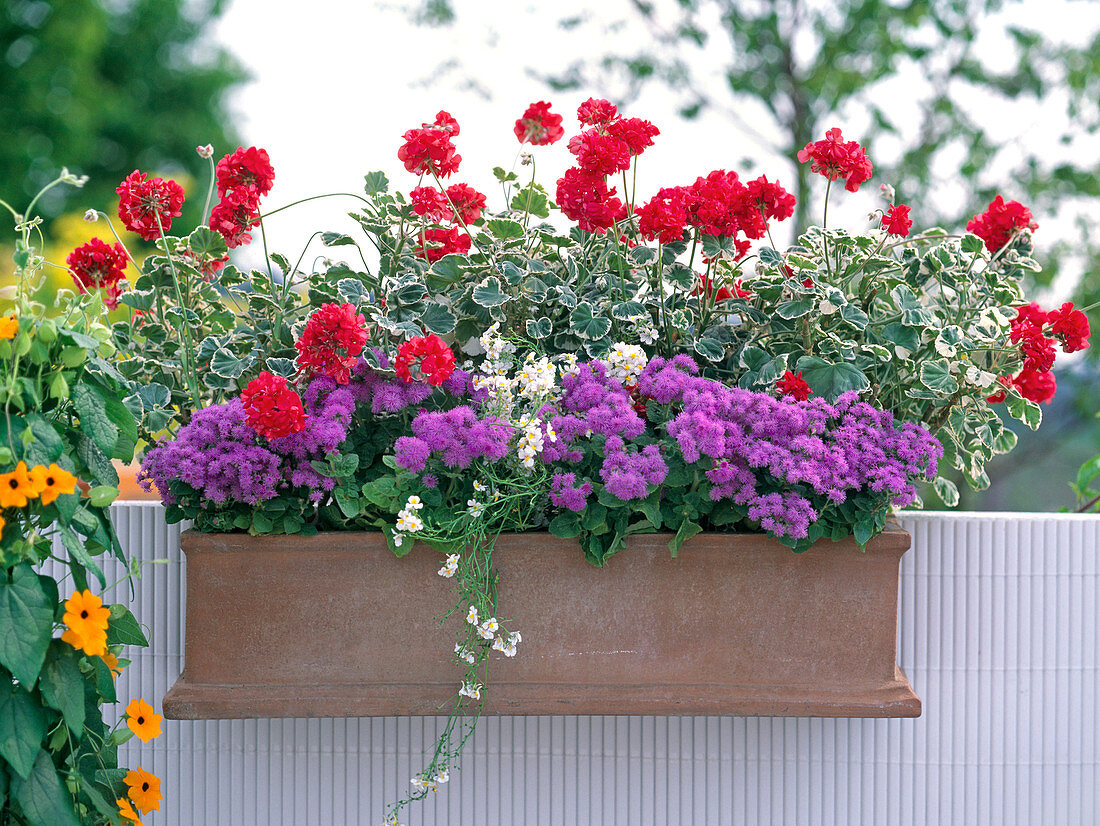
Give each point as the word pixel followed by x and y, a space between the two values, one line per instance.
pixel 336 626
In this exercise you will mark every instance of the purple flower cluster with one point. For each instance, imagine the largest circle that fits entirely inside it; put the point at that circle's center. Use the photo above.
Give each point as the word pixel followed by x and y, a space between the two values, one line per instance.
pixel 566 493
pixel 225 460
pixel 591 403
pixel 457 437
pixel 833 449
pixel 627 474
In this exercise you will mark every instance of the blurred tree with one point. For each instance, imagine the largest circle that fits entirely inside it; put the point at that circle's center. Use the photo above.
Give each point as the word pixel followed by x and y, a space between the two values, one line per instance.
pixel 107 87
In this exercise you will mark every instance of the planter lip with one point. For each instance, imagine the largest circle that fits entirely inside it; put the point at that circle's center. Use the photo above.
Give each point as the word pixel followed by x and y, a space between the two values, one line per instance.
pixel 892 538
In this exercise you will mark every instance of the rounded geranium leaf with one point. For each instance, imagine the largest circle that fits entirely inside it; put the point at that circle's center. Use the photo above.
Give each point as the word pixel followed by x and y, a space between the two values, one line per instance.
pixel 829 380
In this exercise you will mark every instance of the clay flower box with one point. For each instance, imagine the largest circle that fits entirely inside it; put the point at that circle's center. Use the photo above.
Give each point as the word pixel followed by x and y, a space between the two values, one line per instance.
pixel 336 626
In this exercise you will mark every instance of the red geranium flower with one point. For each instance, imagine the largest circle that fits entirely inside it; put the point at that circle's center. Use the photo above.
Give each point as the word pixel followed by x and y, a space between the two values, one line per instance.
pixel 207 265
pixel 723 292
pixel 332 341
pixel 1000 395
pixel 99 265
pixel 539 126
pixel 896 220
pixel 431 203
pixel 433 244
pixel 467 201
pixel 433 359
pixel 771 199
pixel 234 215
pixel 584 197
pixel 636 133
pixel 1036 386
pixel 246 169
pixel 600 154
pixel 429 149
pixel 271 408
pixel 792 384
pixel 597 112
pixel 835 159
pixel 999 223
pixel 664 217
pixel 1070 326
pixel 141 201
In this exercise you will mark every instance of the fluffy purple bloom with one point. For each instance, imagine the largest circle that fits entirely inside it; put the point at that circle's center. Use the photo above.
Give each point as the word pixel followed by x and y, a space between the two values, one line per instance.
pixel 457 437
pixel 566 493
pixel 627 475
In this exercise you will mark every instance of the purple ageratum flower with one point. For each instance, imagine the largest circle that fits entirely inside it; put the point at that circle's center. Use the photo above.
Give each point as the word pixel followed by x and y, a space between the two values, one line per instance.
pixel 566 493
pixel 628 475
pixel 456 436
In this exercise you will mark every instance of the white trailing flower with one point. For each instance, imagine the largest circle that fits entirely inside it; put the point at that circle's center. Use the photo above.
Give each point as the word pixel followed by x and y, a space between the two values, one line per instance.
pixel 626 362
pixel 450 567
pixel 398 539
pixel 532 441
pixel 569 365
pixel 418 783
pixel 414 503
pixel 488 629
pixel 537 377
pixel 471 690
pixel 648 334
pixel 409 522
pixel 442 777
pixel 480 487
pixel 464 655
pixel 471 615
pixel 475 508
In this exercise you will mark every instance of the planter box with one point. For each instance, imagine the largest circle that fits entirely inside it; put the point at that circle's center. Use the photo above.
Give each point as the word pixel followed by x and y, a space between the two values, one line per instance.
pixel 336 626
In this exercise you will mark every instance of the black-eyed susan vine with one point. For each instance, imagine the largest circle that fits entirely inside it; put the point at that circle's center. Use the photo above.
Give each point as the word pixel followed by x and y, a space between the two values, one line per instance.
pixel 61 647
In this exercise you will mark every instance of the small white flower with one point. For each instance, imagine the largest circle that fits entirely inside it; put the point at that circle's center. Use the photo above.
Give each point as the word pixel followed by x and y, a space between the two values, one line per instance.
pixel 442 777
pixel 480 488
pixel 474 508
pixel 514 638
pixel 397 540
pixel 488 628
pixel 498 644
pixel 418 783
pixel 648 334
pixel 414 503
pixel 471 690
pixel 471 616
pixel 464 655
pixel 450 567
pixel 205 151
pixel 91 216
pixel 409 522
pixel 509 651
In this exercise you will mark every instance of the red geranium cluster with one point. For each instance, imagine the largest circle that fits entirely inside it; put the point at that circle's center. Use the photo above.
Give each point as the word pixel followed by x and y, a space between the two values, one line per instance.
pixel 718 204
pixel 332 341
pixel 432 359
pixel 896 221
pixel 1068 326
pixel 271 408
pixel 836 158
pixel 432 244
pixel 243 177
pixel 429 150
pixel 99 265
pixel 608 146
pixel 467 202
pixel 147 206
pixel 435 205
pixel 539 126
pixel 792 384
pixel 997 225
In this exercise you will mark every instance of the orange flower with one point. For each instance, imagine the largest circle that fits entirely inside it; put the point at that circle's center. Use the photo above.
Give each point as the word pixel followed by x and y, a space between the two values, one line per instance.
pixel 2 524
pixel 9 326
pixel 112 664
pixel 144 789
pixel 86 619
pixel 17 487
pixel 142 721
pixel 52 481
pixel 127 811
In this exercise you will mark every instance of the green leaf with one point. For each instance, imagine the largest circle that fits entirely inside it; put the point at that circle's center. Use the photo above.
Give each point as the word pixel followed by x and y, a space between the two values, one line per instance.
pixel 586 325
pixel 337 239
pixel 829 380
pixel 490 293
pixel 26 623
pixel 93 418
pixel 375 183
pixel 22 727
pixel 206 243
pixel 711 349
pixel 41 795
pixel 123 628
pixel 505 229
pixel 539 328
pixel 62 685
pixel 854 316
pixel 795 309
pixel 947 491
pixel 532 199
pixel 627 310
pixel 687 530
pixel 223 363
pixel 936 376
pixel 565 525
pixel 437 319
pixel 77 550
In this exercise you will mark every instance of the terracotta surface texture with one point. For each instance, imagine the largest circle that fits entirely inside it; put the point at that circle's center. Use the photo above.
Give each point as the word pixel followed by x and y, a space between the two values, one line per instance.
pixel 336 626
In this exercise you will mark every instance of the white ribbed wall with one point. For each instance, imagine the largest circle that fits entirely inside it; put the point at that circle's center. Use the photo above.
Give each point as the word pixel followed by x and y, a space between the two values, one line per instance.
pixel 999 616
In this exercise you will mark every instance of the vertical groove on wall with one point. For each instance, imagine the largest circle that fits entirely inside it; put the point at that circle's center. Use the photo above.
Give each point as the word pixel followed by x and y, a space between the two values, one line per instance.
pixel 999 635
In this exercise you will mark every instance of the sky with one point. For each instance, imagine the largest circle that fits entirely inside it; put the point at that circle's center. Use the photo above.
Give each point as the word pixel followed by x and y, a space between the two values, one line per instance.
pixel 334 89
